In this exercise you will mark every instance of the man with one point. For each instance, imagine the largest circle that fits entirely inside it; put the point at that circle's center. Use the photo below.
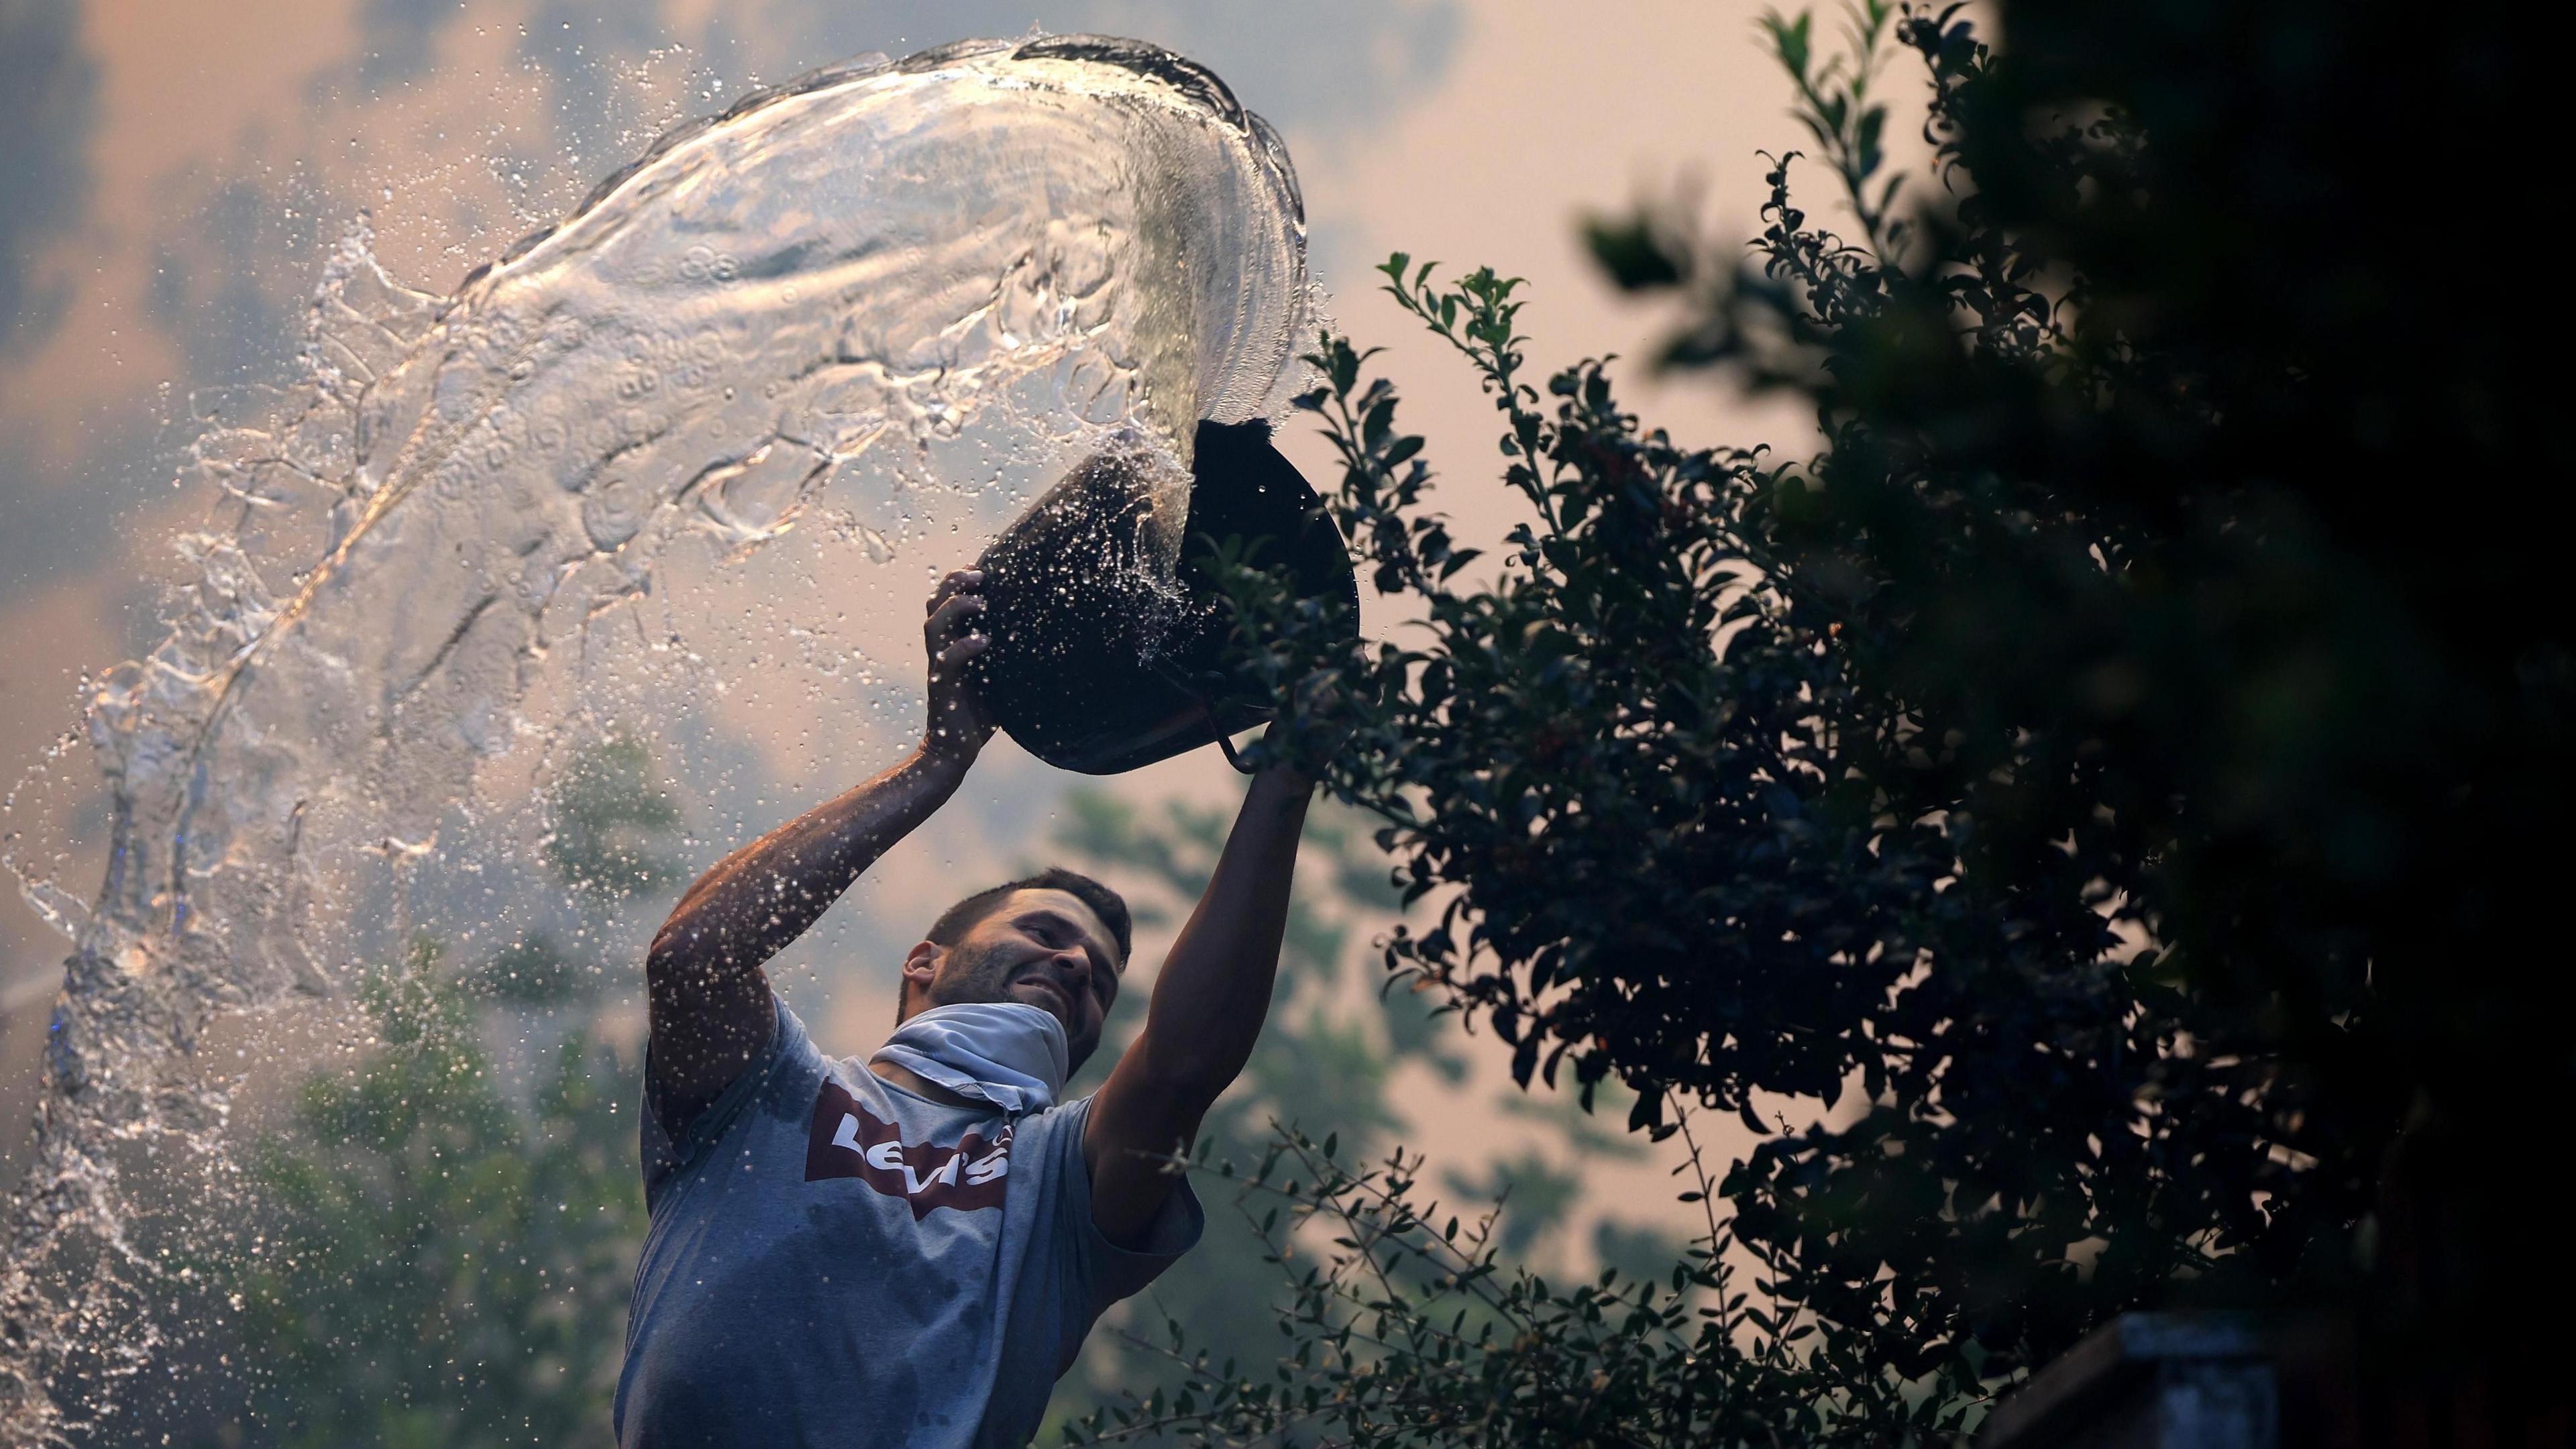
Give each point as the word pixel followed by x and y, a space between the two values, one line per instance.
pixel 909 1250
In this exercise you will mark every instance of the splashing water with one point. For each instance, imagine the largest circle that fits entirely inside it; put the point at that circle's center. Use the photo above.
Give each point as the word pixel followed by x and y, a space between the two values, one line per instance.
pixel 668 444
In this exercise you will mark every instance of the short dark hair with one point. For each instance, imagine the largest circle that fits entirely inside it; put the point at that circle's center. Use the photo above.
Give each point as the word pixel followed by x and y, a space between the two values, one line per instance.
pixel 1108 905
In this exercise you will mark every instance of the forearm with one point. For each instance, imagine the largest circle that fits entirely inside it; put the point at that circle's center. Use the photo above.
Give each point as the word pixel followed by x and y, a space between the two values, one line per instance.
pixel 1209 1002
pixel 1214 990
pixel 707 1001
pixel 765 895
pixel 709 1006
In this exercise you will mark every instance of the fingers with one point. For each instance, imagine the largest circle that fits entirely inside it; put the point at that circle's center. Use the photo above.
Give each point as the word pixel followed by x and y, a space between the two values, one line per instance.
pixel 958 725
pixel 950 617
pixel 955 580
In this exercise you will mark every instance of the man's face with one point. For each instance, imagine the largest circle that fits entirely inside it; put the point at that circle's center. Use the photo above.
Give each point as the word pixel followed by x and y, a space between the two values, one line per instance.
pixel 1043 948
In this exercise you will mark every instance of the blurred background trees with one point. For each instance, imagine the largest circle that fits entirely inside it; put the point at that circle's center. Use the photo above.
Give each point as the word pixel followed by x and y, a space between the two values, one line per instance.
pixel 445 1232
pixel 438 1264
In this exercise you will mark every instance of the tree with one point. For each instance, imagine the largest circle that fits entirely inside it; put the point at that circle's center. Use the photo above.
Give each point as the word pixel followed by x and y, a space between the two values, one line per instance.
pixel 2099 761
pixel 437 1266
pixel 610 823
pixel 443 1255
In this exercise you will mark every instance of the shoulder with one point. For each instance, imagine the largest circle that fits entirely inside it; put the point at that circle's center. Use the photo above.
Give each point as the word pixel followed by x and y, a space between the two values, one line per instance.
pixel 1053 1136
pixel 1063 1117
pixel 770 1090
pixel 792 1057
pixel 785 1073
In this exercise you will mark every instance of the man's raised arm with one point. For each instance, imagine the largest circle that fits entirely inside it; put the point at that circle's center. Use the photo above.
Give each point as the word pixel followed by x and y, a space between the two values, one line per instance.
pixel 1208 1005
pixel 709 1001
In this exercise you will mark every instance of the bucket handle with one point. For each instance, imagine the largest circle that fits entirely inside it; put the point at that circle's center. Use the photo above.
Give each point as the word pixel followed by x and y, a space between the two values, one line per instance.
pixel 1182 682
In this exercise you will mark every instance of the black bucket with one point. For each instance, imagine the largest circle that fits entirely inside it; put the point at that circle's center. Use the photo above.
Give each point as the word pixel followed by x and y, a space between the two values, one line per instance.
pixel 1097 665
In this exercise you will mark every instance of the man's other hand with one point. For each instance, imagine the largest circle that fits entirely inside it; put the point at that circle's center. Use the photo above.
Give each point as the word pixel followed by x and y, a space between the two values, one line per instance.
pixel 953 633
pixel 1312 726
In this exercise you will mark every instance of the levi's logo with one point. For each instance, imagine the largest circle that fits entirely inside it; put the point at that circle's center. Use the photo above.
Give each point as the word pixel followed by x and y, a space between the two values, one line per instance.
pixel 848 1141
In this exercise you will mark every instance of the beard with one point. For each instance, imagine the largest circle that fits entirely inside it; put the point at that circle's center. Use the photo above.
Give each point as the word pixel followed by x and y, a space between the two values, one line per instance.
pixel 972 974
pixel 984 974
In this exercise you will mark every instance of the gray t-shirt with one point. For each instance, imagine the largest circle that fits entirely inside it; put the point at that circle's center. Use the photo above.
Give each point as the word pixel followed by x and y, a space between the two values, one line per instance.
pixel 833 1260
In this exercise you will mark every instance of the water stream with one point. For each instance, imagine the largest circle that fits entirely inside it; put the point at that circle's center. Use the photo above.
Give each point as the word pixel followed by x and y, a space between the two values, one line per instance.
pixel 665 454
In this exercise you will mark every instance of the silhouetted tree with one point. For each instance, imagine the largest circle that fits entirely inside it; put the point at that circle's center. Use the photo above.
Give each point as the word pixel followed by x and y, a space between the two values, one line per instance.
pixel 2125 765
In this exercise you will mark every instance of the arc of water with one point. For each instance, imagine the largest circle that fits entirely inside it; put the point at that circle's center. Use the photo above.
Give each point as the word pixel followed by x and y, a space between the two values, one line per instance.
pixel 883 250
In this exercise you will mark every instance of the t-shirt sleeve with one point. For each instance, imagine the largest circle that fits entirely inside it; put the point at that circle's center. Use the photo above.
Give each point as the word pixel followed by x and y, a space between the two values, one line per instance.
pixel 1103 1271
pixel 667 1155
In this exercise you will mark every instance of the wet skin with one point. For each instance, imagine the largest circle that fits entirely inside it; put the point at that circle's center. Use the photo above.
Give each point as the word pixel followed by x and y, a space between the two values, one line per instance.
pixel 710 1004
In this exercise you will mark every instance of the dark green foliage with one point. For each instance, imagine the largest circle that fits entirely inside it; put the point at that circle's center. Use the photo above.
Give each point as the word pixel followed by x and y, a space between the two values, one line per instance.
pixel 2129 753
pixel 535 972
pixel 1407 1324
pixel 444 1247
pixel 434 1265
pixel 608 812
